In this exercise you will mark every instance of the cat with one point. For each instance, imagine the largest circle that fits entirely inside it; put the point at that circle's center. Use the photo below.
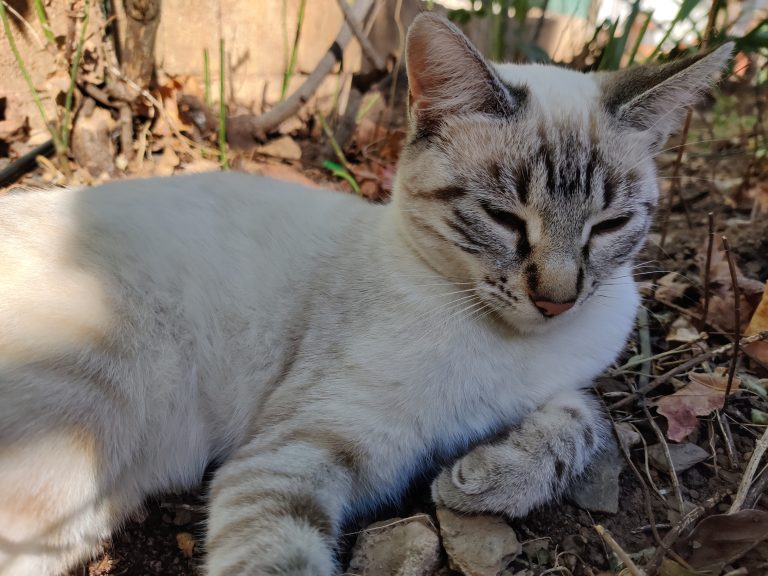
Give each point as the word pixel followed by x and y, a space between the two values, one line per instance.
pixel 324 350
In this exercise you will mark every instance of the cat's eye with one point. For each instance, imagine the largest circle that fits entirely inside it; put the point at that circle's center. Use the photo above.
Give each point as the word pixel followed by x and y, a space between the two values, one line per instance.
pixel 610 225
pixel 506 219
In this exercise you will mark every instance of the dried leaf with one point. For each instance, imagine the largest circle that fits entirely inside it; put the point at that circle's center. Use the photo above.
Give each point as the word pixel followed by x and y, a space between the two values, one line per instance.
pixel 723 538
pixel 682 330
pixel 700 397
pixel 759 323
pixel 759 195
pixel 186 543
pixel 671 287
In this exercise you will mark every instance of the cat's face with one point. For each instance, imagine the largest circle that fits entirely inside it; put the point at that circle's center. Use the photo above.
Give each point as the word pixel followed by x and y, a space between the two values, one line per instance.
pixel 534 184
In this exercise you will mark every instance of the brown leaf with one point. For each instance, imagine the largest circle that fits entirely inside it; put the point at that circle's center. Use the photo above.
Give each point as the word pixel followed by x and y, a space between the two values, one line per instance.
pixel 759 195
pixel 700 397
pixel 759 323
pixel 186 543
pixel 723 538
pixel 671 287
pixel 682 330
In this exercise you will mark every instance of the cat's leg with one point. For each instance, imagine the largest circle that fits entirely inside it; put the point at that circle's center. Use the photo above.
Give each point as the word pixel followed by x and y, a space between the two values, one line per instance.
pixel 54 509
pixel 277 504
pixel 530 464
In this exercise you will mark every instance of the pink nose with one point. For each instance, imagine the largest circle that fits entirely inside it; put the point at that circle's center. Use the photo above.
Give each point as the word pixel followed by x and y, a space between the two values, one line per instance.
pixel 553 308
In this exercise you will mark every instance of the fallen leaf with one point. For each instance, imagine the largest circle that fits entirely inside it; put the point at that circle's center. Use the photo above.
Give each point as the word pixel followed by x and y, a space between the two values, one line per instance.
pixel 186 543
pixel 700 397
pixel 723 538
pixel 671 287
pixel 759 195
pixel 682 330
pixel 672 568
pixel 759 323
pixel 284 147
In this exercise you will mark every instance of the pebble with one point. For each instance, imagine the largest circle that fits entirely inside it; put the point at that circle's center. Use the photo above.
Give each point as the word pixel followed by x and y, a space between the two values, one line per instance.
pixel 598 489
pixel 683 456
pixel 397 547
pixel 477 545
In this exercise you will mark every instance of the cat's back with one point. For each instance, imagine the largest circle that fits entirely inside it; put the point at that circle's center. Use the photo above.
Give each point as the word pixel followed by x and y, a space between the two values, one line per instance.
pixel 204 242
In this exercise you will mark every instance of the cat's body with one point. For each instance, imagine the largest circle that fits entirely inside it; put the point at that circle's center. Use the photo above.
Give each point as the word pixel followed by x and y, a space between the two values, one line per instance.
pixel 325 349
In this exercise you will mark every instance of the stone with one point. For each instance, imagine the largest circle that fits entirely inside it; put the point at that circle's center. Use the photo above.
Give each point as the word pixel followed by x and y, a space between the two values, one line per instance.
pixel 397 547
pixel 284 147
pixel 91 140
pixel 477 545
pixel 598 489
pixel 683 456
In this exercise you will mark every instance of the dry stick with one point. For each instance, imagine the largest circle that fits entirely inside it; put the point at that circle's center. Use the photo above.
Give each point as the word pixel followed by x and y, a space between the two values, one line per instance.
pixel 256 127
pixel 749 473
pixel 667 376
pixel 736 319
pixel 668 457
pixel 619 551
pixel 707 266
pixel 366 45
pixel 672 536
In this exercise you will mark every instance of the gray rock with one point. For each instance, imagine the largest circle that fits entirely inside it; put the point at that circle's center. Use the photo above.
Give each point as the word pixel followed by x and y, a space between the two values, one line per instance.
pixel 477 545
pixel 598 489
pixel 397 547
pixel 683 456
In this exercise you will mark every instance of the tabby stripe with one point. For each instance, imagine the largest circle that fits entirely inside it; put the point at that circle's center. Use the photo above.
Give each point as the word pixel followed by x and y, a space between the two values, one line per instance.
pixel 445 194
pixel 522 178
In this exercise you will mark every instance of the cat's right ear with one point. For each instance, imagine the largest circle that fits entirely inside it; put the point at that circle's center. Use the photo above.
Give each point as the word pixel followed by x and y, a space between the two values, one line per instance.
pixel 448 75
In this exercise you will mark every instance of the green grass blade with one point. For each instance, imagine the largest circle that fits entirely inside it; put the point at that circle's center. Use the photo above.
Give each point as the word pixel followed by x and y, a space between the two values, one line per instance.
pixel 223 159
pixel 640 36
pixel 290 70
pixel 27 78
pixel 43 19
pixel 686 7
pixel 73 77
pixel 207 78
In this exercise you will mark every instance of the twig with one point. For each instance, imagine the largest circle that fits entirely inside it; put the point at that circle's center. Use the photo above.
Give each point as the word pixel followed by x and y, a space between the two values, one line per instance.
pixel 255 127
pixel 736 320
pixel 619 551
pixel 378 61
pixel 672 536
pixel 707 266
pixel 725 429
pixel 746 481
pixel 668 457
pixel 695 361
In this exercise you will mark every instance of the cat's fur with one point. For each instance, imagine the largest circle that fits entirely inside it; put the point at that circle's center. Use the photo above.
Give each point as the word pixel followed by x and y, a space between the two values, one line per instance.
pixel 324 349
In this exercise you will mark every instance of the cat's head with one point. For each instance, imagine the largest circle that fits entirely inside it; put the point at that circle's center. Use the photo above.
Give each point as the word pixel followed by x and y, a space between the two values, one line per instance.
pixel 534 183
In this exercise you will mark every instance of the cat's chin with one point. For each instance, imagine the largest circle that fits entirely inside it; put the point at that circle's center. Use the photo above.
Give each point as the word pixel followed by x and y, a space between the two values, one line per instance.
pixel 532 322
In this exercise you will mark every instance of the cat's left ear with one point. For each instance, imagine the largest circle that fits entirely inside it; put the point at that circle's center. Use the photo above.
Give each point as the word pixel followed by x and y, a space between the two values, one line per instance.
pixel 448 75
pixel 654 99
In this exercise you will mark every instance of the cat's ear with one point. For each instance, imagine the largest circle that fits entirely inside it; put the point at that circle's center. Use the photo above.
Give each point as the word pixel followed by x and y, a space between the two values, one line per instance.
pixel 654 99
pixel 447 74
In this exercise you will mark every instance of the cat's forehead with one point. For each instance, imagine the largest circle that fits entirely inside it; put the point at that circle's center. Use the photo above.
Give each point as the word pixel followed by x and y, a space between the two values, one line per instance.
pixel 555 95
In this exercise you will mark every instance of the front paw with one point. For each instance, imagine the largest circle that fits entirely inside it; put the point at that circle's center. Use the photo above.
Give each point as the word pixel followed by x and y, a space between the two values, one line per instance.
pixel 467 486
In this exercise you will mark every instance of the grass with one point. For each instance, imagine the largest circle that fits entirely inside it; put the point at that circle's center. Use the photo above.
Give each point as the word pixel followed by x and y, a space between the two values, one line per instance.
pixel 43 19
pixel 223 158
pixel 25 73
pixel 207 78
pixel 340 169
pixel 290 69
pixel 73 79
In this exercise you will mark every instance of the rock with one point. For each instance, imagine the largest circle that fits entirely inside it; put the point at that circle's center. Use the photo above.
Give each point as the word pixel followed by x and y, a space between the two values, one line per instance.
pixel 598 489
pixel 683 456
pixel 477 545
pixel 91 139
pixel 283 147
pixel 627 434
pixel 397 547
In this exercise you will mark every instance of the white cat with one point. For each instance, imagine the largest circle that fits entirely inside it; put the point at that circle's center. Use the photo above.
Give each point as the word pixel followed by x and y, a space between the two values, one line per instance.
pixel 324 349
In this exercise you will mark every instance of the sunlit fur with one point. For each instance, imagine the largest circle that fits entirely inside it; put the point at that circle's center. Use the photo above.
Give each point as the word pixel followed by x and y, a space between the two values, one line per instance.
pixel 322 350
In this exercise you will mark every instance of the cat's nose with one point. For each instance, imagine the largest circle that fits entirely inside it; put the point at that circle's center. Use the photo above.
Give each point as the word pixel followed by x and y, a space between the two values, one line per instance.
pixel 549 308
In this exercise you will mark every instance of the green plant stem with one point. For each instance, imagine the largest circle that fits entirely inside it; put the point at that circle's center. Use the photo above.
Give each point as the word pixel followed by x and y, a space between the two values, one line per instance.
pixel 289 71
pixel 206 78
pixel 25 73
pixel 223 159
pixel 499 34
pixel 43 19
pixel 73 79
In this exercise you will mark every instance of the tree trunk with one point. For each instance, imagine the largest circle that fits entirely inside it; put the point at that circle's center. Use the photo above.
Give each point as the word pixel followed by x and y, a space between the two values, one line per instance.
pixel 137 28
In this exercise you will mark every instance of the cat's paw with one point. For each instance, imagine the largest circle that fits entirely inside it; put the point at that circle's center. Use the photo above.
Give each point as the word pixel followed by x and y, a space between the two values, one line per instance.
pixel 475 485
